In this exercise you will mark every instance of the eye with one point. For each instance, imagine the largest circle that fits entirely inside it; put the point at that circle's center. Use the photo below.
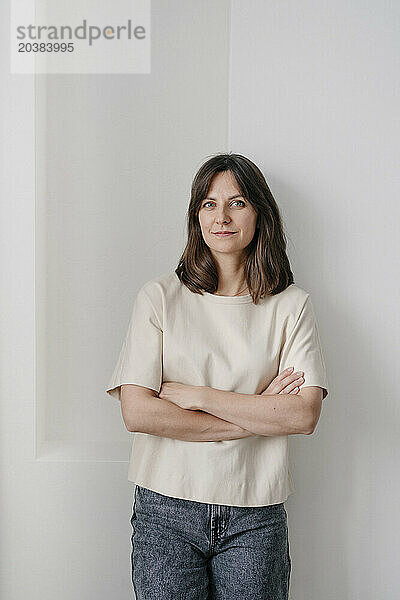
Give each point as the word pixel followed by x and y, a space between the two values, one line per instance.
pixel 211 202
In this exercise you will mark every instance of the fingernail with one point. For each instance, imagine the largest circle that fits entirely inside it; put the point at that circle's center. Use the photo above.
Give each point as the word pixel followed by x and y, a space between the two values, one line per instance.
pixel 290 369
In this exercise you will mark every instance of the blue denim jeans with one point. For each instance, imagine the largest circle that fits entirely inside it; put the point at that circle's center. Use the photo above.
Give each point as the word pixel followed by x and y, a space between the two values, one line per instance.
pixel 188 550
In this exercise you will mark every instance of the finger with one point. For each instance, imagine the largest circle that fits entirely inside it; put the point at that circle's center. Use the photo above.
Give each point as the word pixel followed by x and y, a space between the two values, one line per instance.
pixel 284 374
pixel 293 379
pixel 280 381
pixel 291 386
pixel 285 378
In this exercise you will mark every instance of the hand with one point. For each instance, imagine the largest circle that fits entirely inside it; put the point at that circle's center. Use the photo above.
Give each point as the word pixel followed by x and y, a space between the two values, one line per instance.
pixel 185 396
pixel 285 383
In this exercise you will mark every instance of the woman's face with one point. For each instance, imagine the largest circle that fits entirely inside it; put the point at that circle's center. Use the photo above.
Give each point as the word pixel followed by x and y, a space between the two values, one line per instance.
pixel 225 209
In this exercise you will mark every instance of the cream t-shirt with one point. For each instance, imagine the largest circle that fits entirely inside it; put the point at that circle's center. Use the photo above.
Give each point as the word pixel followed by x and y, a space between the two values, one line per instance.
pixel 228 343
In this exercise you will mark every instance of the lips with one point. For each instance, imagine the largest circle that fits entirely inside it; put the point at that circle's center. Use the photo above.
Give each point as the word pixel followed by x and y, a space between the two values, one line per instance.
pixel 224 233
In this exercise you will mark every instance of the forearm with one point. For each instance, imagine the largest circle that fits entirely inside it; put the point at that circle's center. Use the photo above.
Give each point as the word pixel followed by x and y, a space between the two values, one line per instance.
pixel 160 417
pixel 262 414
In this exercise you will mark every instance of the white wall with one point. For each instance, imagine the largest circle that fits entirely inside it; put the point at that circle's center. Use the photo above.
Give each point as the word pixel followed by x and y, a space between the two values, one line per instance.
pixel 114 160
pixel 315 102
pixel 314 95
pixel 95 182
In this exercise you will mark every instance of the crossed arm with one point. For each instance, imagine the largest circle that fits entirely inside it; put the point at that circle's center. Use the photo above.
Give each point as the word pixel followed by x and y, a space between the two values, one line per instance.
pixel 215 415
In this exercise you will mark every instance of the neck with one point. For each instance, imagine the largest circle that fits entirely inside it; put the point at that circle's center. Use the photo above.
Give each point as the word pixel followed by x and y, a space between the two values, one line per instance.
pixel 231 280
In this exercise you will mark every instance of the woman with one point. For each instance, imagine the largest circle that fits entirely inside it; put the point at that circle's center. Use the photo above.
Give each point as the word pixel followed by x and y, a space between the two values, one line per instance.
pixel 209 380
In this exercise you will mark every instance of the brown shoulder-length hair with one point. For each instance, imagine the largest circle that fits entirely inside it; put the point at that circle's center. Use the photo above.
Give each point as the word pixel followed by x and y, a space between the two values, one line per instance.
pixel 266 265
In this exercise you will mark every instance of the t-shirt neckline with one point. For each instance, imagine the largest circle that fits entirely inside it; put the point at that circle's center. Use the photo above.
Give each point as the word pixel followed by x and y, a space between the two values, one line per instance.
pixel 221 299
pixel 228 299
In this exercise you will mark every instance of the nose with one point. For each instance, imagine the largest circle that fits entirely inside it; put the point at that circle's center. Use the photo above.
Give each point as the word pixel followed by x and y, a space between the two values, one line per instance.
pixel 221 216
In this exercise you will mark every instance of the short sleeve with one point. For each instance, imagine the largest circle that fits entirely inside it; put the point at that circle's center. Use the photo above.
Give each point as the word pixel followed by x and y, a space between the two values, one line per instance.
pixel 302 349
pixel 140 359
